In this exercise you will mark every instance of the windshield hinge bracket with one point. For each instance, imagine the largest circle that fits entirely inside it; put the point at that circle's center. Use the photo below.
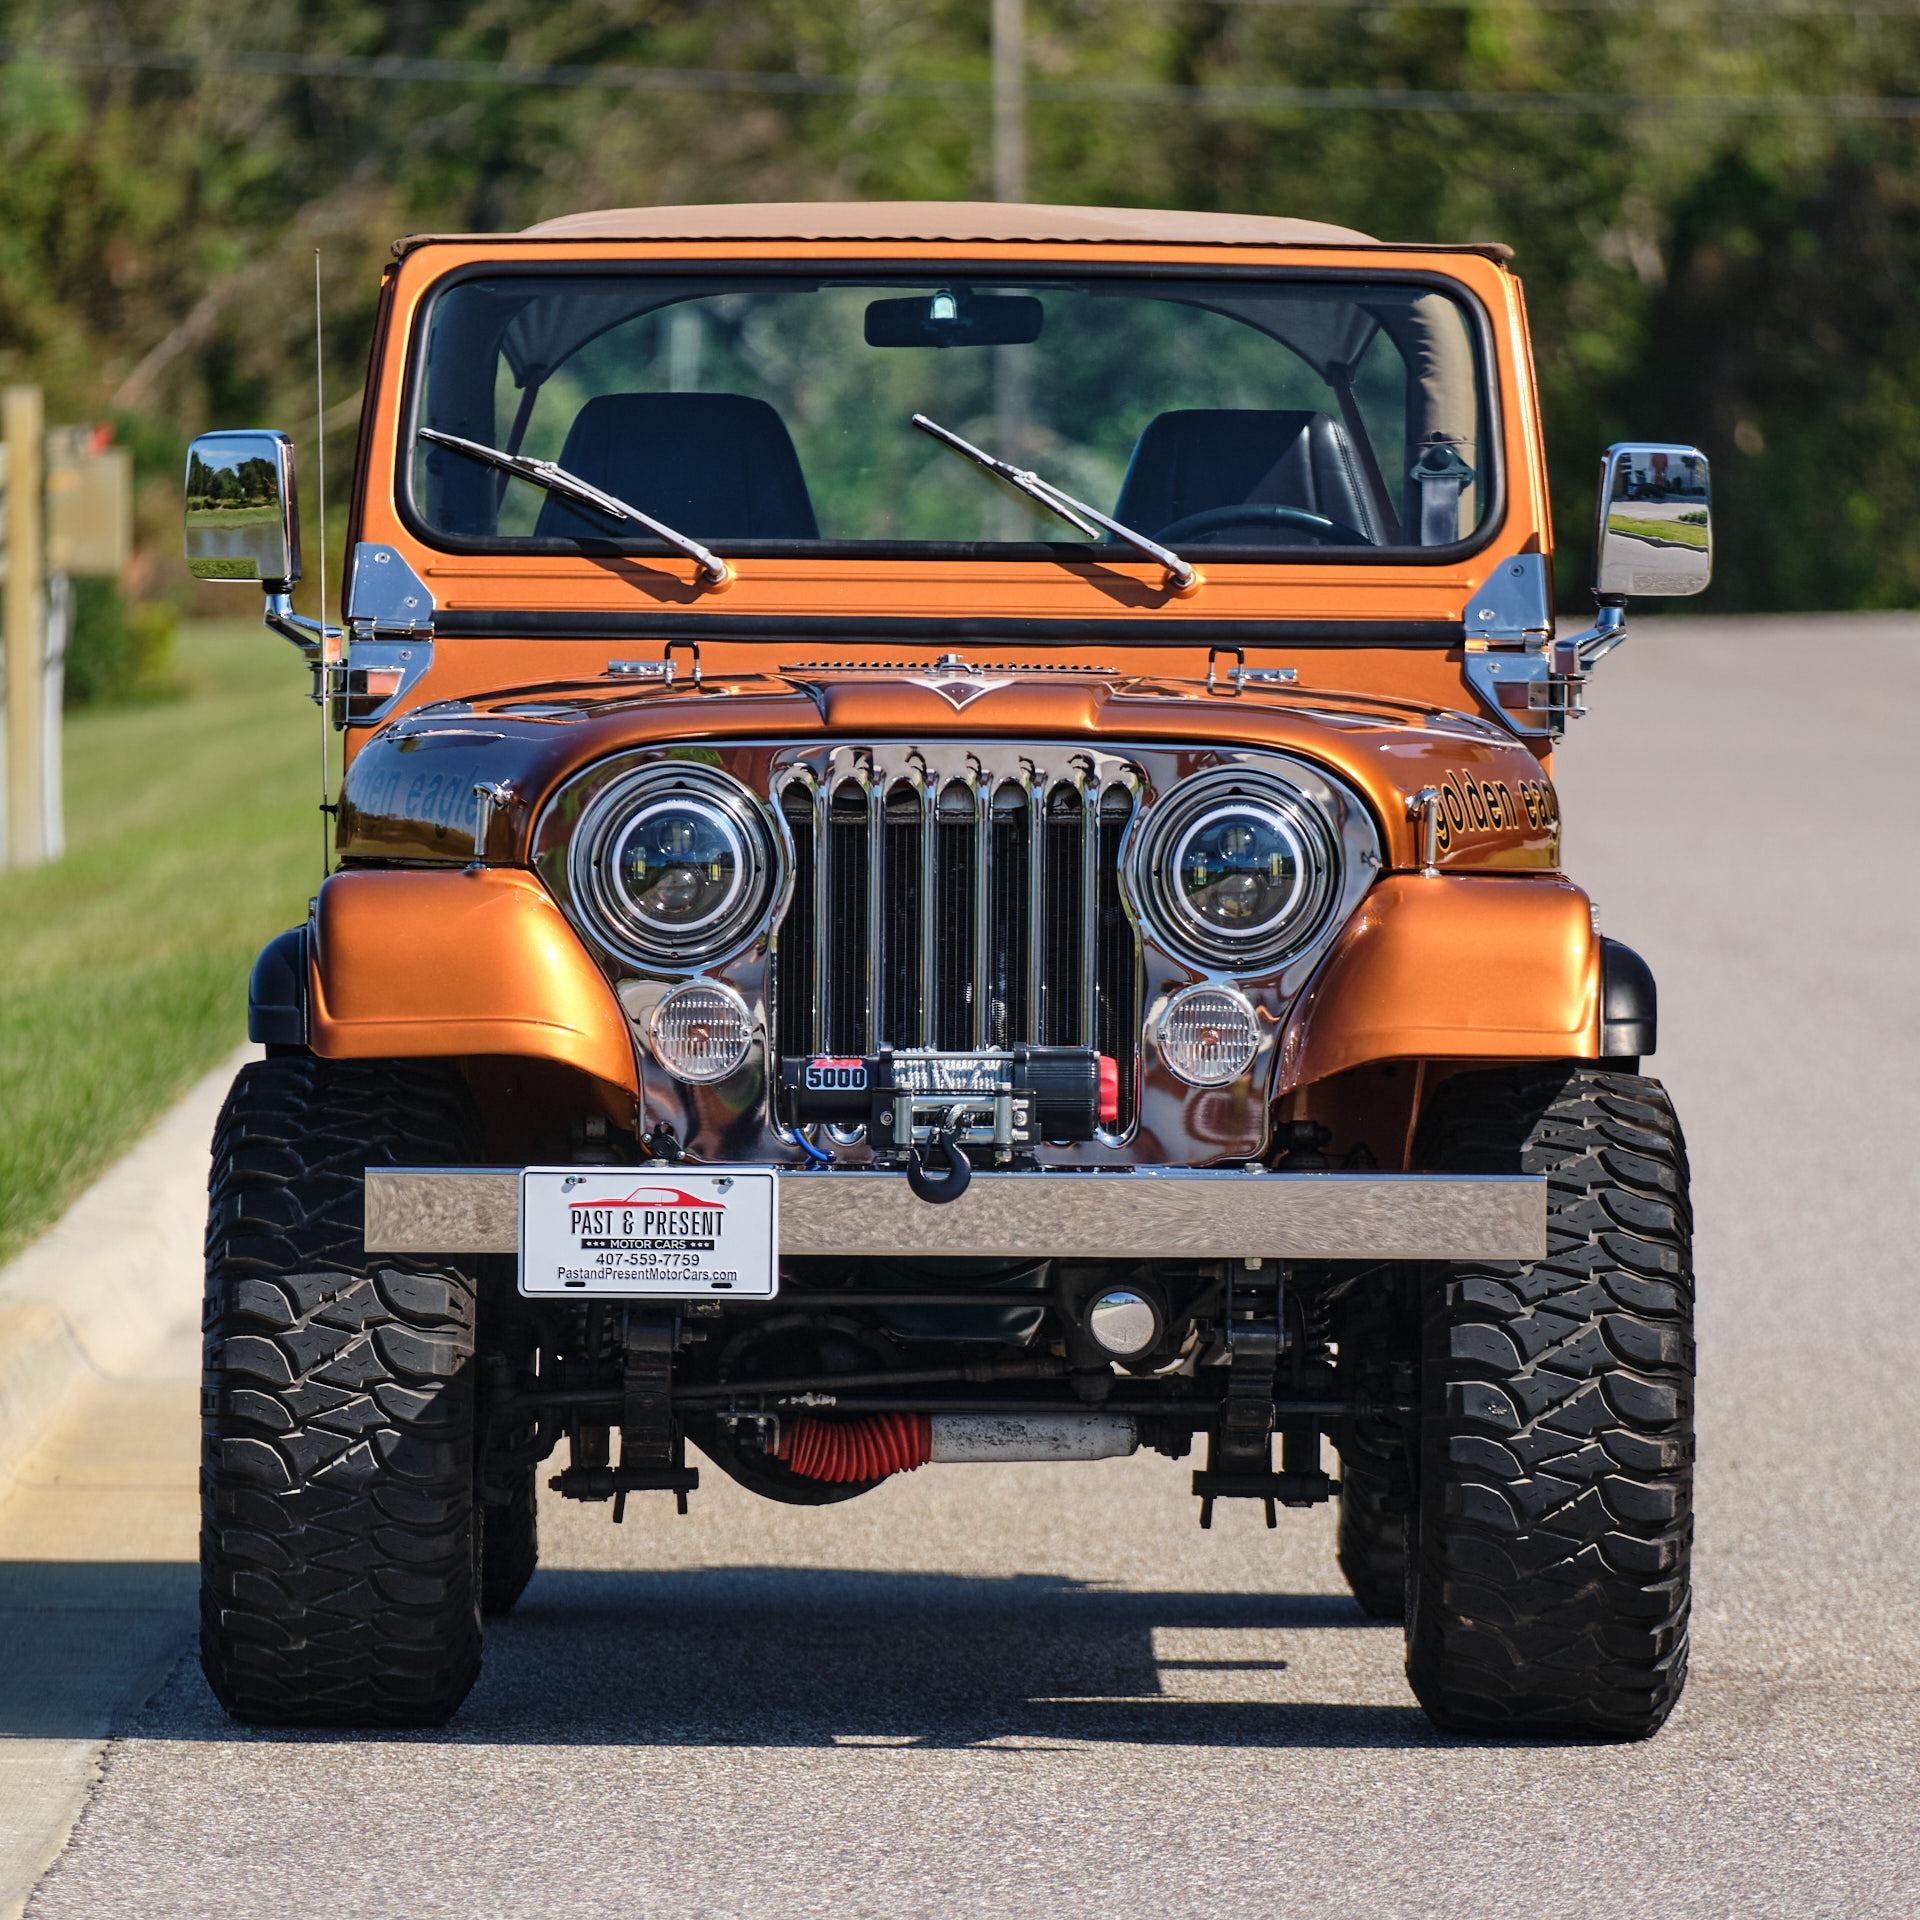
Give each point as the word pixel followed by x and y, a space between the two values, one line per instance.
pixel 1530 682
pixel 386 599
pixel 389 621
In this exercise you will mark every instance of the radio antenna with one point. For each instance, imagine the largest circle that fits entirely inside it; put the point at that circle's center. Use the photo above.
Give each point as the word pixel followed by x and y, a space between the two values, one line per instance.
pixel 325 668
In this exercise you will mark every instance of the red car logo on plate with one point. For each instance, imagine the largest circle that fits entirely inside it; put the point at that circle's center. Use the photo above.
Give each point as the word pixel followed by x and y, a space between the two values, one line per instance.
pixel 651 1197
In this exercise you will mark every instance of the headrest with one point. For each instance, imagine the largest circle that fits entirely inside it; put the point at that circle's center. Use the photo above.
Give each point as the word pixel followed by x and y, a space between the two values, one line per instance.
pixel 719 466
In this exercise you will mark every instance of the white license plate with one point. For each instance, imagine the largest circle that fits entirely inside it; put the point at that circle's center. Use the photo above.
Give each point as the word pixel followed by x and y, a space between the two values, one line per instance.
pixel 649 1233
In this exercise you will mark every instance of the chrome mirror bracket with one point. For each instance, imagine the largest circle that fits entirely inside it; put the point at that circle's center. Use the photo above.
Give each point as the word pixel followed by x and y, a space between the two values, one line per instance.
pixel 311 637
pixel 1608 630
pixel 1512 660
pixel 1532 680
pixel 308 635
pixel 389 615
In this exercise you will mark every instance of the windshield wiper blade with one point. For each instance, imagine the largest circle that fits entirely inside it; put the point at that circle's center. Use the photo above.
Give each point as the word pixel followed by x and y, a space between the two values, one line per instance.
pixel 569 486
pixel 1182 576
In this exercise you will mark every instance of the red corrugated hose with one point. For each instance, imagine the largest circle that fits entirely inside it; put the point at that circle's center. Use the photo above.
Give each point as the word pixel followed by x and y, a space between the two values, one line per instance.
pixel 869 1448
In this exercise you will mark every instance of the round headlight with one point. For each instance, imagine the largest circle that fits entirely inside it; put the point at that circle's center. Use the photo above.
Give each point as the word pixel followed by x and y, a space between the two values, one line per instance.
pixel 674 864
pixel 1236 868
pixel 678 865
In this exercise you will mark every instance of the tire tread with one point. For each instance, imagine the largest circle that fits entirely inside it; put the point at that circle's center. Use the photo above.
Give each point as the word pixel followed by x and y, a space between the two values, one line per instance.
pixel 337 1561
pixel 1552 1586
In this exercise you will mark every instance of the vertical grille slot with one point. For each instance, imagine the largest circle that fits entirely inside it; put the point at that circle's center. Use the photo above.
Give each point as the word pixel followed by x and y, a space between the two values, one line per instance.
pixel 1060 1013
pixel 958 908
pixel 901 975
pixel 953 920
pixel 849 1020
pixel 1117 1022
pixel 793 954
pixel 1007 962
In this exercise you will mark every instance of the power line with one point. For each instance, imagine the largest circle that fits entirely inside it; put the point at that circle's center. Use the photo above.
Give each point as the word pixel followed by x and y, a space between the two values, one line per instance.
pixel 401 69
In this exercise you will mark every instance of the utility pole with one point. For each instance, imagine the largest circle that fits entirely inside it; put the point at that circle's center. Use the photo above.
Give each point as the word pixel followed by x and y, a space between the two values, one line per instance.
pixel 1012 382
pixel 1009 100
pixel 21 629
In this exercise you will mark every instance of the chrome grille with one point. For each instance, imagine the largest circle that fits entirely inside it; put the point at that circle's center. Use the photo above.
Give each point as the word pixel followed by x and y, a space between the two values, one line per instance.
pixel 958 900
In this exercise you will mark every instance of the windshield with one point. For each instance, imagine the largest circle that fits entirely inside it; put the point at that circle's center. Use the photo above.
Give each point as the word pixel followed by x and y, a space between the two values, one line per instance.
pixel 1249 416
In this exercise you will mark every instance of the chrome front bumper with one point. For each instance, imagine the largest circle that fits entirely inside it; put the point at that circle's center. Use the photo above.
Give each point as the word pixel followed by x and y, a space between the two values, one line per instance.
pixel 1171 1214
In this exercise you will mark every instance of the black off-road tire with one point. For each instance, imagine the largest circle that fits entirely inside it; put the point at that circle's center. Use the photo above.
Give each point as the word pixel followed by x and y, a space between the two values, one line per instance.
pixel 1550 1586
pixel 339 1553
pixel 1377 1332
pixel 1375 1498
pixel 509 1542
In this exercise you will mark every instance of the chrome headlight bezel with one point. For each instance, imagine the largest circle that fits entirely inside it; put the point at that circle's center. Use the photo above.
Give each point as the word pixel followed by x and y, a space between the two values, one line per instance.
pixel 609 820
pixel 1292 811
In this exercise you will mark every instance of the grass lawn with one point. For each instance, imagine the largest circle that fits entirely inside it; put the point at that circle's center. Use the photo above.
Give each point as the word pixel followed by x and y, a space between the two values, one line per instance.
pixel 232 516
pixel 1675 533
pixel 192 836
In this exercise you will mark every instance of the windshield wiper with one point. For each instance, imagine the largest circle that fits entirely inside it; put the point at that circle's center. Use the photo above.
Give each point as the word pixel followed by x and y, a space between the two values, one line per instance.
pixel 1182 576
pixel 569 486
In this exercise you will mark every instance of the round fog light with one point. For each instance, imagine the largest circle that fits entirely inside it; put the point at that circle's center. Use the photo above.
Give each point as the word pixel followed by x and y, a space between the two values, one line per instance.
pixel 700 1032
pixel 1123 1323
pixel 1209 1035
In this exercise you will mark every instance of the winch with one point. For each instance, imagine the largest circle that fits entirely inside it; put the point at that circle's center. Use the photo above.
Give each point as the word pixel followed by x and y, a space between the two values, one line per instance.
pixel 995 1098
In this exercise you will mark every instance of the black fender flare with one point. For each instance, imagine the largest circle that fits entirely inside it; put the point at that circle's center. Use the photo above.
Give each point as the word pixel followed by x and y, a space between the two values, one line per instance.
pixel 277 991
pixel 1629 1003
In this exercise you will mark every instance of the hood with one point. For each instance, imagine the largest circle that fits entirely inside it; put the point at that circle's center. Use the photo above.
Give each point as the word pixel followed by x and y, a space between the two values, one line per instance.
pixel 410 792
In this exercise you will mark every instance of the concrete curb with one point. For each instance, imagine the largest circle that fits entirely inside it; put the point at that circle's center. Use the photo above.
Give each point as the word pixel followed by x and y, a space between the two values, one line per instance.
pixel 114 1278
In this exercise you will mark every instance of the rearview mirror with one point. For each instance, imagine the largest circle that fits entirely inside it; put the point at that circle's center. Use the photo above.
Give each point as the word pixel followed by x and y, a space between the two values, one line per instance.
pixel 956 318
pixel 1655 530
pixel 243 516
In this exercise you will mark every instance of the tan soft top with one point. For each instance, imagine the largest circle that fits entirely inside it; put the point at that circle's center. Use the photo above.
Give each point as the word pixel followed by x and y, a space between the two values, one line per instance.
pixel 944 222
pixel 986 220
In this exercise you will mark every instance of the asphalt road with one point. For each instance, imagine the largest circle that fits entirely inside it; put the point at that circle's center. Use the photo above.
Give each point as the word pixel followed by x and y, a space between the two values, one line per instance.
pixel 1037 1690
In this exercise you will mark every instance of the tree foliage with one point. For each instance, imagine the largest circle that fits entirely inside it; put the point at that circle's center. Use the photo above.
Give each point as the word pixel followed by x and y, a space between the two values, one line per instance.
pixel 1698 268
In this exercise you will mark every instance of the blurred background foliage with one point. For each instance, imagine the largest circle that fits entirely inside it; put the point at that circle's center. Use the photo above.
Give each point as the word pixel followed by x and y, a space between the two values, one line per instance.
pixel 1715 203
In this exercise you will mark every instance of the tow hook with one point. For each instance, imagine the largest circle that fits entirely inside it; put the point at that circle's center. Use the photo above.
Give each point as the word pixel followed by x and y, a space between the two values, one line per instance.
pixel 938 1188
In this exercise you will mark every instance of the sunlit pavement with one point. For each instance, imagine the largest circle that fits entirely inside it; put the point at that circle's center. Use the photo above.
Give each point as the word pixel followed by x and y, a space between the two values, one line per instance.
pixel 1000 1690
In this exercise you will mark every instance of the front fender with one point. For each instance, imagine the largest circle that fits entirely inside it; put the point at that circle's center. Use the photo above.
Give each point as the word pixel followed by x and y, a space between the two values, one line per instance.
pixel 459 964
pixel 1451 967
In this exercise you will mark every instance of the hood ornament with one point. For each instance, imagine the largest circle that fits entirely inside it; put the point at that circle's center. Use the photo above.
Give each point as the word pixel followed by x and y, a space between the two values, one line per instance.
pixel 957 681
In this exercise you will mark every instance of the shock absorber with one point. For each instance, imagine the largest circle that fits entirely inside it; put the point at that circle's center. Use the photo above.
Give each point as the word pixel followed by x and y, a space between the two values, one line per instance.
pixel 878 1444
pixel 869 1448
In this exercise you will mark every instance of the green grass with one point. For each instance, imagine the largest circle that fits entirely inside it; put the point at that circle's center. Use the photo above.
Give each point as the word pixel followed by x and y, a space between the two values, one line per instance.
pixel 1675 533
pixel 232 516
pixel 191 837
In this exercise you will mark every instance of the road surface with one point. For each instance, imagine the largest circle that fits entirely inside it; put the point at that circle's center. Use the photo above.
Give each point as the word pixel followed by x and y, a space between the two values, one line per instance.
pixel 1037 1690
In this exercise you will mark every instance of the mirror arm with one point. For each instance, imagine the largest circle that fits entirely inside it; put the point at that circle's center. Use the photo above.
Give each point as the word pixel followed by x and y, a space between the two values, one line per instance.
pixel 1608 630
pixel 308 635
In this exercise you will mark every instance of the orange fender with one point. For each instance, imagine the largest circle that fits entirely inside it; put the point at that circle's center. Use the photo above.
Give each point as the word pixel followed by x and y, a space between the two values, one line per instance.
pixel 1452 967
pixel 459 964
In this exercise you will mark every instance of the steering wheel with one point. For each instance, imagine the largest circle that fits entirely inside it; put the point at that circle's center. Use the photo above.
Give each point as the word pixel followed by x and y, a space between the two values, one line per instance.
pixel 1255 513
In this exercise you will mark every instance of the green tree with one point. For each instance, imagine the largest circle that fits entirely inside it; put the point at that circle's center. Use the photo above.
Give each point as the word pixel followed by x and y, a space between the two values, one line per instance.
pixel 1731 263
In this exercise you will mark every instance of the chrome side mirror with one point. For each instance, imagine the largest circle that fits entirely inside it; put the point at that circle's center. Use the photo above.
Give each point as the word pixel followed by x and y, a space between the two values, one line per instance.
pixel 1654 534
pixel 243 515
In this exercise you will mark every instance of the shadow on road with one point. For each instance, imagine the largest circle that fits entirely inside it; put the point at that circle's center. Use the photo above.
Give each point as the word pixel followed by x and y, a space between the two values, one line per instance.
pixel 782 1656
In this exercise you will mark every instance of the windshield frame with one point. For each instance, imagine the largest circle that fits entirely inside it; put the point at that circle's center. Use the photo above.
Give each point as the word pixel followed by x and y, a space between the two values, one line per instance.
pixel 916 273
